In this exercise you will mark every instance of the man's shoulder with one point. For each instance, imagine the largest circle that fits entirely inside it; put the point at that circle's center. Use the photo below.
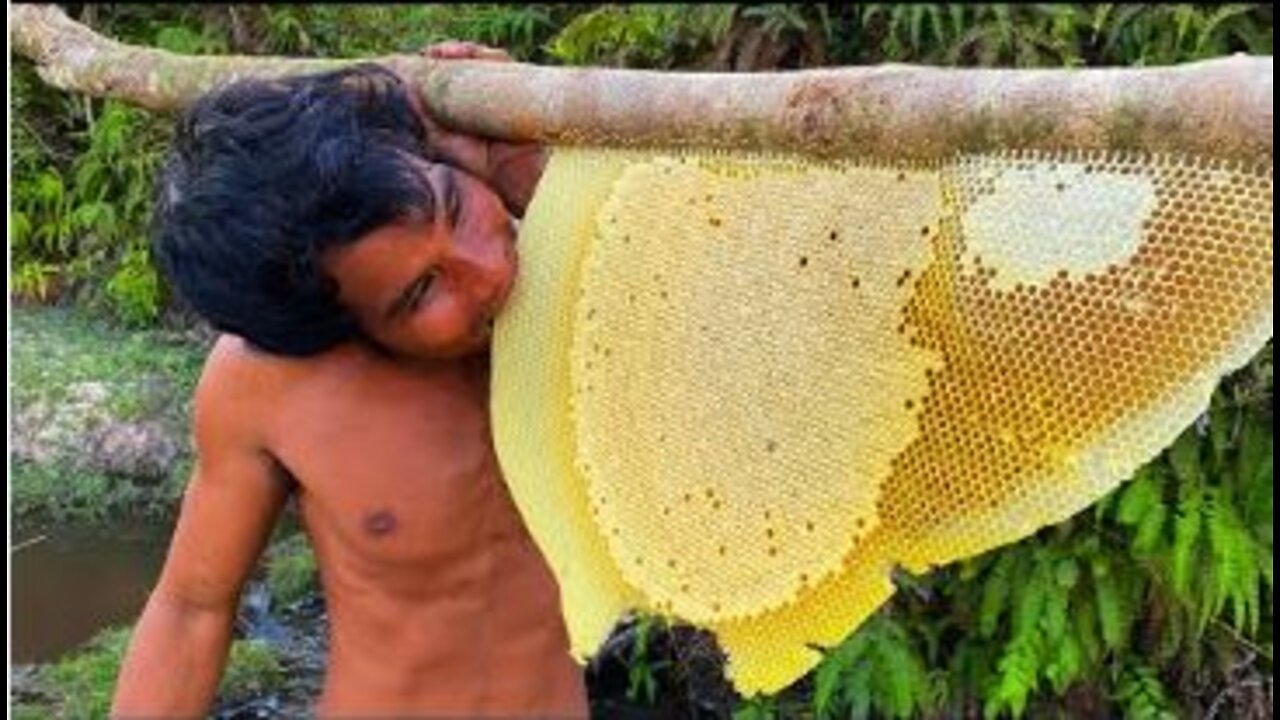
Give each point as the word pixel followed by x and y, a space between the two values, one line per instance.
pixel 243 392
pixel 240 377
pixel 233 360
pixel 254 377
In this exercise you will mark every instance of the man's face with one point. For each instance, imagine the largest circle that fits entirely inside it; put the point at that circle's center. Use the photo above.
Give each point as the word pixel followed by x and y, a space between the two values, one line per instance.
pixel 429 287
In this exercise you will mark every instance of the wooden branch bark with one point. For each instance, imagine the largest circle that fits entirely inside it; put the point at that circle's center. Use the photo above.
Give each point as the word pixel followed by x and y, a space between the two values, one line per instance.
pixel 1219 107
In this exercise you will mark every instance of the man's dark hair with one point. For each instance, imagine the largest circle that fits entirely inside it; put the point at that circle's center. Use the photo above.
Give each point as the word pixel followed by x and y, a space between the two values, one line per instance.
pixel 264 176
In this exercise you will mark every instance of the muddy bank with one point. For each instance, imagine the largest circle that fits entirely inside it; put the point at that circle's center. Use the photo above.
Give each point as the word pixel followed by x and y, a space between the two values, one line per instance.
pixel 99 423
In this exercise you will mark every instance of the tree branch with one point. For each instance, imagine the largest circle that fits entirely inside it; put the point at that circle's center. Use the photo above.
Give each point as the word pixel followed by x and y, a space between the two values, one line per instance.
pixel 1219 107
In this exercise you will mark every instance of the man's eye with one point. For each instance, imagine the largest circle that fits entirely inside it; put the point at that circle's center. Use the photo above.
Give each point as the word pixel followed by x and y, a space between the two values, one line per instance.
pixel 420 289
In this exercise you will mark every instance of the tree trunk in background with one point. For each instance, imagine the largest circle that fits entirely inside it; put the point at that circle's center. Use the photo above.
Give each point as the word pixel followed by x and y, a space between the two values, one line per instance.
pixel 1217 107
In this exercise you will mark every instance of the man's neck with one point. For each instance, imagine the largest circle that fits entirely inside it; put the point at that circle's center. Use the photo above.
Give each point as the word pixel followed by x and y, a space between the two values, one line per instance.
pixel 476 363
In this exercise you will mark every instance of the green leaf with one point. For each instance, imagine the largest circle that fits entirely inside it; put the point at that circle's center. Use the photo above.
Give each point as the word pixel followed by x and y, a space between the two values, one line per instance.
pixel 1184 456
pixel 1222 421
pixel 756 708
pixel 1016 678
pixel 1208 34
pixel 19 227
pixel 1186 537
pixel 957 14
pixel 917 18
pixel 1084 625
pixel 1067 573
pixel 1256 443
pixel 1143 696
pixel 1142 506
pixel 49 187
pixel 826 682
pixel 1067 663
pixel 995 595
pixel 1110 605
pixel 899 671
pixel 858 690
pixel 1099 20
pixel 1030 596
pixel 1234 570
pixel 1057 602
pixel 1260 501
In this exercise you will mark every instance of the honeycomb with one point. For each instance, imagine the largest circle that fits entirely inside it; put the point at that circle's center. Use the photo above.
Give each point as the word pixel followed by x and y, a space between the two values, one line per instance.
pixel 738 389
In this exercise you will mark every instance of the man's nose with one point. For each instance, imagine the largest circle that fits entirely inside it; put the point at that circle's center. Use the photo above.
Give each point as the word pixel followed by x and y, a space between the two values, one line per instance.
pixel 482 271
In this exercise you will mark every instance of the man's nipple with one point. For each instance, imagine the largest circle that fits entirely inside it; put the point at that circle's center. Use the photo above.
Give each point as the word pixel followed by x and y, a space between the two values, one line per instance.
pixel 379 523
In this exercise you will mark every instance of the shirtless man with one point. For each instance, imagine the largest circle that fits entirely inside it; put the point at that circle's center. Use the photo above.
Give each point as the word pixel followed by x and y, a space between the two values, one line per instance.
pixel 355 255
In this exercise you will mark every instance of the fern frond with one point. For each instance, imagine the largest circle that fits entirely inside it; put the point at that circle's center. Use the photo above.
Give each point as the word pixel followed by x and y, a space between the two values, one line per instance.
pixel 1113 615
pixel 1186 538
pixel 1066 663
pixel 1016 678
pixel 1234 572
pixel 899 672
pixel 1030 596
pixel 1057 602
pixel 1143 696
pixel 1184 457
pixel 1208 31
pixel 1142 507
pixel 995 594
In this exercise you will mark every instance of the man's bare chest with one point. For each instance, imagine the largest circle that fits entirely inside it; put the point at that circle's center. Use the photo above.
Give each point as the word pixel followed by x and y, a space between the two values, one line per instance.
pixel 393 469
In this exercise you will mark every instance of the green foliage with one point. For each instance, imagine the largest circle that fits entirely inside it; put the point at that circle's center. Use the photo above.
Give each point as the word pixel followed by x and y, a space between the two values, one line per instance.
pixel 64 494
pixel 253 668
pixel 1141 694
pixel 113 188
pixel 361 30
pixel 184 40
pixel 875 671
pixel 1061 34
pixel 82 684
pixel 291 570
pixel 32 279
pixel 642 671
pixel 27 711
pixel 778 19
pixel 1164 34
pixel 521 30
pixel 134 288
pixel 760 708
pixel 648 36
pixel 83 222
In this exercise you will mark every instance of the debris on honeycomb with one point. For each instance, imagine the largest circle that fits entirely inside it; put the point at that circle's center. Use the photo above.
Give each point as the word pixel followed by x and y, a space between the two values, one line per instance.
pixel 738 389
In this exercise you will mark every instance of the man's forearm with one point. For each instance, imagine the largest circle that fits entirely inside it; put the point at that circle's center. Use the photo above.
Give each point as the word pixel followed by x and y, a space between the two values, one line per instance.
pixel 174 661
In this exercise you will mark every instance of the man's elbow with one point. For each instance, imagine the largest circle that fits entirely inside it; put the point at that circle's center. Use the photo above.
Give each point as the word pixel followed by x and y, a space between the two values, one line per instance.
pixel 196 599
pixel 175 657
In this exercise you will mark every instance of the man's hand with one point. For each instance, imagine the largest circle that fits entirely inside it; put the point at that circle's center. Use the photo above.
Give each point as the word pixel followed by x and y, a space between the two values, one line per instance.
pixel 510 169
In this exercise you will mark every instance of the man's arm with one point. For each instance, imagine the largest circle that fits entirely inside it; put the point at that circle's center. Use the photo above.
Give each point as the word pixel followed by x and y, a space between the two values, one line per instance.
pixel 179 645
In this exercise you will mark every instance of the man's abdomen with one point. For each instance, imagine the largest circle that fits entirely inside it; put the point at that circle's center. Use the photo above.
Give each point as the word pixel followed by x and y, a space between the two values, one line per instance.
pixel 480 633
